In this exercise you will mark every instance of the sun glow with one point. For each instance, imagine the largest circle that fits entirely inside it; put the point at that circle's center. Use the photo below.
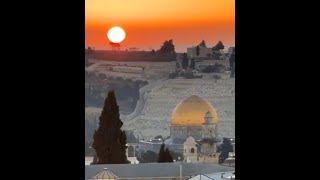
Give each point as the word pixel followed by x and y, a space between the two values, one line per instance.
pixel 116 34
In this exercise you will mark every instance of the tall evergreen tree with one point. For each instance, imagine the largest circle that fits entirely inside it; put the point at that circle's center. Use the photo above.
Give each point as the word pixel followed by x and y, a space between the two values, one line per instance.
pixel 109 140
pixel 161 155
pixel 168 156
pixel 164 155
pixel 197 50
pixel 185 61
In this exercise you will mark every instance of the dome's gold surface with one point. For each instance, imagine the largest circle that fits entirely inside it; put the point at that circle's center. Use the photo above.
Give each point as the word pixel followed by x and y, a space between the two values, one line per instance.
pixel 191 112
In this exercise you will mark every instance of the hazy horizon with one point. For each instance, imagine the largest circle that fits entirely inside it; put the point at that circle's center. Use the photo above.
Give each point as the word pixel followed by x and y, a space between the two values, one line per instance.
pixel 181 49
pixel 149 23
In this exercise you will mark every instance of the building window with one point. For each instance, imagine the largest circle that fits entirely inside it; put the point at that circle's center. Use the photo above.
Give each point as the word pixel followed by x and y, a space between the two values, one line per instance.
pixel 185 150
pixel 192 150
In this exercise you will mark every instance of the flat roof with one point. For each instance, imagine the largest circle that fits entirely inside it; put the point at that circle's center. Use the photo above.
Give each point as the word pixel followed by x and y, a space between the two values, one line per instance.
pixel 147 170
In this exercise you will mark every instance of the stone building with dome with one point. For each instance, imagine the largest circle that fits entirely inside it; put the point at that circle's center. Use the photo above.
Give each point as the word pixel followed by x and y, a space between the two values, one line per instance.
pixel 188 117
pixel 193 130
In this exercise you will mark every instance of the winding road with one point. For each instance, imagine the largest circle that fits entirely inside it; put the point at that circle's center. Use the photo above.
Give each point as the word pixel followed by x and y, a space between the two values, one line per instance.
pixel 143 93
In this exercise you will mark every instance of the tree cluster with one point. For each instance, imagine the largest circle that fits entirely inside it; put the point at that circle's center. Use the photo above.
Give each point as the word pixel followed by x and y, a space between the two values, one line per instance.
pixel 224 150
pixel 148 157
pixel 127 91
pixel 203 44
pixel 218 47
pixel 167 48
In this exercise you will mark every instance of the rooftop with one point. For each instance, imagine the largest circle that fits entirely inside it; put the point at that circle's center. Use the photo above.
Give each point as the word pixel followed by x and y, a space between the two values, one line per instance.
pixel 152 170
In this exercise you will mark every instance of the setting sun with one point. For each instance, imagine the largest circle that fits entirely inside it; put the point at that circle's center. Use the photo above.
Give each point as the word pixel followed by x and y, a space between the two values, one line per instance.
pixel 116 34
pixel 150 23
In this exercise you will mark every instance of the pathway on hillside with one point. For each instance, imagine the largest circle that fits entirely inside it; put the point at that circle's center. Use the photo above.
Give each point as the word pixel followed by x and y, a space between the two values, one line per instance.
pixel 144 93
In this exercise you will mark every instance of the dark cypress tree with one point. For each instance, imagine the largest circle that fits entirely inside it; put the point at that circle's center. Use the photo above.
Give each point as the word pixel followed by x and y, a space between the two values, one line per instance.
pixel 109 140
pixel 164 155
pixel 185 61
pixel 197 50
pixel 168 156
pixel 161 156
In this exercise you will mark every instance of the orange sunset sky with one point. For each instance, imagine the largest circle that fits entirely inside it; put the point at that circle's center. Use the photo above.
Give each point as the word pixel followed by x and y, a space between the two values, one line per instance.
pixel 148 23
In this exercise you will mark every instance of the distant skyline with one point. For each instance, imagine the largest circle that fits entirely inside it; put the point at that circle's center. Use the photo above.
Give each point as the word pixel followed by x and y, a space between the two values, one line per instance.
pixel 149 23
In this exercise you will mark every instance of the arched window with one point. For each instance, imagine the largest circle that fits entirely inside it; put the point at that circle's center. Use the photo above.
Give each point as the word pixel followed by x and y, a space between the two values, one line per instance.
pixel 192 150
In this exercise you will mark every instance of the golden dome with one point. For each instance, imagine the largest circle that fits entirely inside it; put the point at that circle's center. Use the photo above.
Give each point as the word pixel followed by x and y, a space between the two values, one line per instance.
pixel 191 112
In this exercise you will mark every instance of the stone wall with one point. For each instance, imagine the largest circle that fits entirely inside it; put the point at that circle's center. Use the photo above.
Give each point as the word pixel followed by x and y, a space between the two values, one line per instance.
pixel 183 132
pixel 213 159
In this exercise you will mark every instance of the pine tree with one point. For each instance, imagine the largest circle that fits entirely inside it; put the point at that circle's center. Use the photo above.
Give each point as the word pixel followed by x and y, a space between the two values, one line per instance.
pixel 109 140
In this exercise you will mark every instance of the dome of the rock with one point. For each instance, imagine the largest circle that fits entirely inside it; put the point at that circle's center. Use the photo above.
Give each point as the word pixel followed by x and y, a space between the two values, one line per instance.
pixel 191 112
